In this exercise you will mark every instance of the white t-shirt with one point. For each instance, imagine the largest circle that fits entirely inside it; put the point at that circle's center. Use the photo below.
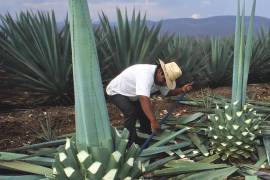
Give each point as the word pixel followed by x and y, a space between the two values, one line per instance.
pixel 134 81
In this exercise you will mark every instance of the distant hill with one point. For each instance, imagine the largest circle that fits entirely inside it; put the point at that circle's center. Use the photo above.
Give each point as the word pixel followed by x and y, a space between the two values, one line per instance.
pixel 212 26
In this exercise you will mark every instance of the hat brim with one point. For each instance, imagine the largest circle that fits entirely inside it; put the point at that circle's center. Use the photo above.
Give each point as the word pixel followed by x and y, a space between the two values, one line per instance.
pixel 170 84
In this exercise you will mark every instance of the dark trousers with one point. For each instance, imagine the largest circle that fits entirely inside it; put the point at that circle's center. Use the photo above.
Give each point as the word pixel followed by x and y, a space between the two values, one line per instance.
pixel 132 111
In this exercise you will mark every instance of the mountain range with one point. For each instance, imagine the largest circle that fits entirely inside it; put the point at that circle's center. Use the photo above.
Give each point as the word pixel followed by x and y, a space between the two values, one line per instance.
pixel 212 26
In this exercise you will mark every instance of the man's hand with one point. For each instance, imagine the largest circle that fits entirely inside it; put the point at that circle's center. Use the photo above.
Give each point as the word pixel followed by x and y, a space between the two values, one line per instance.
pixel 184 89
pixel 155 127
pixel 147 109
pixel 187 87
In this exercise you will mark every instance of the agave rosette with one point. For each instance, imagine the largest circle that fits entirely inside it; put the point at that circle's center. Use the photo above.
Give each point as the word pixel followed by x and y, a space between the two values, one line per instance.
pixel 232 133
pixel 122 163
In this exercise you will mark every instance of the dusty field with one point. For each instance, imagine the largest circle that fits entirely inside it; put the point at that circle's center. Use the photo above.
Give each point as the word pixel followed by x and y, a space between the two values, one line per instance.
pixel 20 126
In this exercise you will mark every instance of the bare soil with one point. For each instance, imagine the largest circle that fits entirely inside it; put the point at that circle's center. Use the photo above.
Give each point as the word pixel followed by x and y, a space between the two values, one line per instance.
pixel 22 126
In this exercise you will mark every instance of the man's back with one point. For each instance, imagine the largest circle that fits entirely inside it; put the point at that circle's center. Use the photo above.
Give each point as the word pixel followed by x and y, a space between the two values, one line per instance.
pixel 134 80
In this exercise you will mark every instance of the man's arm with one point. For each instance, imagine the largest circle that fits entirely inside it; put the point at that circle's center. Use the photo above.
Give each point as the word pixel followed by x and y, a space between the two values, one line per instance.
pixel 187 87
pixel 148 110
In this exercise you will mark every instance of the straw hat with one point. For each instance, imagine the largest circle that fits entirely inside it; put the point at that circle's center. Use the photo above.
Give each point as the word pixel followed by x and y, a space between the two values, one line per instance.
pixel 171 71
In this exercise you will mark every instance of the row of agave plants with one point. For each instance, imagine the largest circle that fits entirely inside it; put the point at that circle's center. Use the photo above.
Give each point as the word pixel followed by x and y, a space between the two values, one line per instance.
pixel 37 52
pixel 231 140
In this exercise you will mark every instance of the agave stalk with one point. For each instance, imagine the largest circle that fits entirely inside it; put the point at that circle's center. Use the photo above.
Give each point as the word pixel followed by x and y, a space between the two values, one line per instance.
pixel 242 56
pixel 232 129
pixel 92 121
pixel 97 152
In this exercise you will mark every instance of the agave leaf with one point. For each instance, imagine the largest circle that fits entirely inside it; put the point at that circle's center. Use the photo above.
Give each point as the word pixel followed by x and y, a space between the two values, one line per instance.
pixel 43 161
pixel 210 159
pixel 236 53
pixel 179 166
pixel 251 177
pixel 242 55
pixel 24 177
pixel 159 163
pixel 190 118
pixel 197 141
pixel 26 167
pixel 156 150
pixel 248 52
pixel 213 174
pixel 39 145
pixel 167 139
pixel 266 141
pixel 87 81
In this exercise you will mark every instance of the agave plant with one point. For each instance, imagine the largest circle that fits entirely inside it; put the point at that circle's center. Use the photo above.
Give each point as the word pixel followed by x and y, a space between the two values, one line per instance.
pixel 189 54
pixel 96 152
pixel 260 62
pixel 38 54
pixel 218 69
pixel 232 129
pixel 232 133
pixel 129 42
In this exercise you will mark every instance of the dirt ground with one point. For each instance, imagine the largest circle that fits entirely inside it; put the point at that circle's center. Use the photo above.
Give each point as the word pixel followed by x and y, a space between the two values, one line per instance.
pixel 21 126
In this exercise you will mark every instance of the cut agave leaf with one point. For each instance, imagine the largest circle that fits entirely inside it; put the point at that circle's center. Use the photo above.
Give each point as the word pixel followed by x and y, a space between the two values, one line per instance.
pixel 190 118
pixel 27 167
pixel 160 149
pixel 210 159
pixel 212 174
pixel 179 166
pixel 251 177
pixel 197 141
pixel 172 136
pixel 24 177
pixel 266 141
pixel 157 164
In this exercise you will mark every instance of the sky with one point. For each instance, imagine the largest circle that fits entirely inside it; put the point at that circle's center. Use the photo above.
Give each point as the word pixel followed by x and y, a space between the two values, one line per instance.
pixel 155 9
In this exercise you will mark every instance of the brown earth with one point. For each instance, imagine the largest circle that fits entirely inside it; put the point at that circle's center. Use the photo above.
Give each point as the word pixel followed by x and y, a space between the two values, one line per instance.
pixel 20 127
